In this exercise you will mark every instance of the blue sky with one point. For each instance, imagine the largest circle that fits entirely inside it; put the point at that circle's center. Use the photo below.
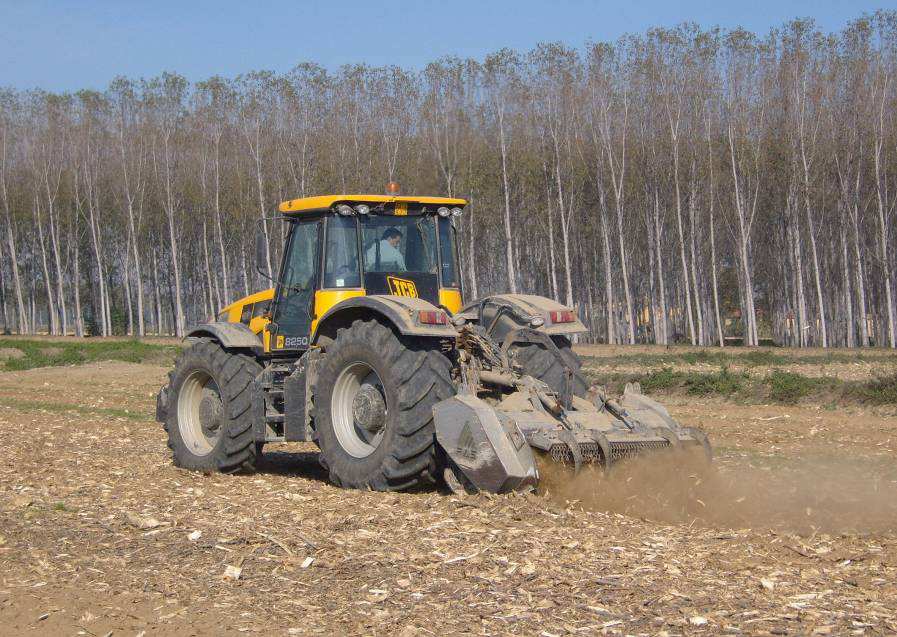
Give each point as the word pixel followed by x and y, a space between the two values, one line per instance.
pixel 67 45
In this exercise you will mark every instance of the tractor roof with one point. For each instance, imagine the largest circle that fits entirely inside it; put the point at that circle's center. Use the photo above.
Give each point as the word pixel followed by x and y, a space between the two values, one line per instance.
pixel 325 202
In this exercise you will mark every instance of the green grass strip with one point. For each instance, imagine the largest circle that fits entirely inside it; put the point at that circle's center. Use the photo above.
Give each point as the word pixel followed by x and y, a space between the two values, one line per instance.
pixel 68 408
pixel 56 353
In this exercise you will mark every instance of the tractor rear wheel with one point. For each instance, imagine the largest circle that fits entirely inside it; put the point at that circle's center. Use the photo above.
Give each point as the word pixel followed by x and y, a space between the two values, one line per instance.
pixel 545 364
pixel 209 420
pixel 373 407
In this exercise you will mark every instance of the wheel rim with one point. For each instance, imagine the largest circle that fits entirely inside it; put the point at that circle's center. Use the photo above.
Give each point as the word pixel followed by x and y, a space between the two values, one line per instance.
pixel 200 413
pixel 358 410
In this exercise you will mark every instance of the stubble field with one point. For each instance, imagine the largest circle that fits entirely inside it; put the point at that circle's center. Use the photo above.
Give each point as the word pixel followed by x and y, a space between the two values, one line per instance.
pixel 794 531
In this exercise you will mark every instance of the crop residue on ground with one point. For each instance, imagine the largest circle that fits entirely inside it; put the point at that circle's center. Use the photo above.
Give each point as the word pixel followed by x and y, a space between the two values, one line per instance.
pixel 99 532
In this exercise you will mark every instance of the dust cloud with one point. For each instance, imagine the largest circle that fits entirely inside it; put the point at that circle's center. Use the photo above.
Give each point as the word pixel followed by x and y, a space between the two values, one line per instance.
pixel 800 495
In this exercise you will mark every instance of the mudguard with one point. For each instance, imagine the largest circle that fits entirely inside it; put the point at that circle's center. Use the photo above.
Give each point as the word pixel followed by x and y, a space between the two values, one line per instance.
pixel 402 311
pixel 487 446
pixel 502 313
pixel 230 335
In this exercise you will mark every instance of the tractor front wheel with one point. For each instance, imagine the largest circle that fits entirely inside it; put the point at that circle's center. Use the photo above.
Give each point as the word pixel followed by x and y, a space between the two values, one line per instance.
pixel 209 419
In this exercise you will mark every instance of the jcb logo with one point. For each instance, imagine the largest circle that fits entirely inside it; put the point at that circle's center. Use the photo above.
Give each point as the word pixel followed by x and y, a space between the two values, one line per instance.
pixel 401 287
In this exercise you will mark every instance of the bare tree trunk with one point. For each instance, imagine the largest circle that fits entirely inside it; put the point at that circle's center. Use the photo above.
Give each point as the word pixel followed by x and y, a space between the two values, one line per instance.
pixel 22 324
pixel 243 264
pixel 564 216
pixel 883 224
pixel 860 279
pixel 652 287
pixel 608 282
pixel 6 329
pixel 222 253
pixel 101 278
pixel 129 306
pixel 57 261
pixel 179 319
pixel 76 273
pixel 692 205
pixel 509 246
pixel 157 295
pixel 552 272
pixel 33 309
pixel 664 336
pixel 568 275
pixel 823 331
pixel 138 281
pixel 683 262
pixel 132 231
pixel 255 151
pixel 205 254
pixel 471 251
pixel 848 296
pixel 618 173
pixel 51 305
pixel 797 255
pixel 711 207
pixel 745 220
pixel 719 321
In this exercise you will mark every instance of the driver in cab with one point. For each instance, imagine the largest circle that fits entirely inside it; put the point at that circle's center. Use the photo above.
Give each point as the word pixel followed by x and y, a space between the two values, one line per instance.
pixel 390 258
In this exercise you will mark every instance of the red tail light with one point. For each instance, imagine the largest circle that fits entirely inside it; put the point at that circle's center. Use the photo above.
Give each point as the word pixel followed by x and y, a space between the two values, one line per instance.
pixel 429 317
pixel 563 316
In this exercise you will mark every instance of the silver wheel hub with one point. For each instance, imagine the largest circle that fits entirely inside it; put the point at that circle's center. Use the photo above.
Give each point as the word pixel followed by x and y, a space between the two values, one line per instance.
pixel 200 412
pixel 210 410
pixel 358 410
pixel 369 408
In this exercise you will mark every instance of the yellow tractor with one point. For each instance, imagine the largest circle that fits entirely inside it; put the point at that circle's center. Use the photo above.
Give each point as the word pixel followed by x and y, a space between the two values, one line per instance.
pixel 365 346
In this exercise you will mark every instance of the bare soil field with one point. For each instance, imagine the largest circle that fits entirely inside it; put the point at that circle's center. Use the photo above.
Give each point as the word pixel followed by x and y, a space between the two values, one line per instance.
pixel 845 364
pixel 794 531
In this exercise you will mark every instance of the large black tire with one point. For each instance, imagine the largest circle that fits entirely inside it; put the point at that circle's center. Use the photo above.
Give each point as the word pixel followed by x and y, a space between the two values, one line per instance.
pixel 540 362
pixel 227 445
pixel 413 375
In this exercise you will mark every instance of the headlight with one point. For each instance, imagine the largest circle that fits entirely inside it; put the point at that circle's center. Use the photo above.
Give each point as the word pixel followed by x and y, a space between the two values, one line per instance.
pixel 456 212
pixel 443 211
pixel 362 208
pixel 345 210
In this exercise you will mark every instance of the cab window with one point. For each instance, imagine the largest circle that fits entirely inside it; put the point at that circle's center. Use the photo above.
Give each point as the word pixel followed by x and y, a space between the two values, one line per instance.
pixel 296 290
pixel 260 308
pixel 399 244
pixel 341 254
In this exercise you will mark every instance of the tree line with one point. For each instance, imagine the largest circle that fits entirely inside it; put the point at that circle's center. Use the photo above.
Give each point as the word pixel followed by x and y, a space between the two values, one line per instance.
pixel 680 185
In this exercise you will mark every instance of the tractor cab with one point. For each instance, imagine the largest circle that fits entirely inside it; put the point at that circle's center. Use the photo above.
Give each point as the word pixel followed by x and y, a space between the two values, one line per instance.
pixel 339 247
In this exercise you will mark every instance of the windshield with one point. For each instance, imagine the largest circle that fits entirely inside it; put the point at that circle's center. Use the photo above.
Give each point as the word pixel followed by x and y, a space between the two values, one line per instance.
pixel 399 244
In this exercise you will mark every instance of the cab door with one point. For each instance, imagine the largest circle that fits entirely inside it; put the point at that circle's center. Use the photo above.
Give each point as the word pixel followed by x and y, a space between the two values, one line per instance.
pixel 294 297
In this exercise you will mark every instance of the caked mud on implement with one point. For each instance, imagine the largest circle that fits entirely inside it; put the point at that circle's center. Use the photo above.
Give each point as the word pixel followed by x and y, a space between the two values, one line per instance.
pixel 365 347
pixel 501 420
